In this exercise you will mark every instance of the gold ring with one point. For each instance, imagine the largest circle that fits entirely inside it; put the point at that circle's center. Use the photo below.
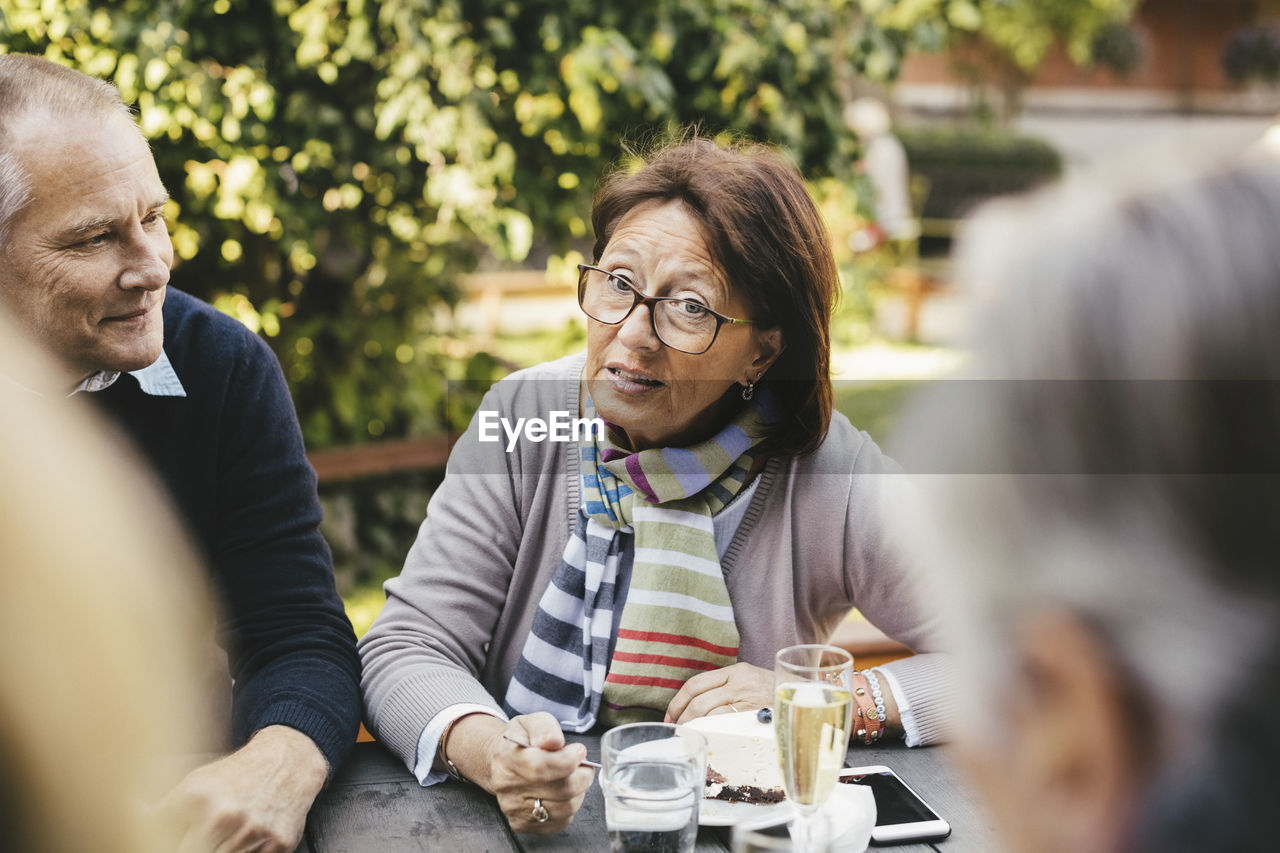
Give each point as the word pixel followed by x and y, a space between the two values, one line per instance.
pixel 540 813
pixel 731 708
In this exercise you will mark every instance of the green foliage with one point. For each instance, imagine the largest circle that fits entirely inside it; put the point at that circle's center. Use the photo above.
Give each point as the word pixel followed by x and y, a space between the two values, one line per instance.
pixel 1252 53
pixel 370 524
pixel 1021 31
pixel 1118 48
pixel 874 406
pixel 535 347
pixel 337 165
pixel 966 167
pixel 1003 41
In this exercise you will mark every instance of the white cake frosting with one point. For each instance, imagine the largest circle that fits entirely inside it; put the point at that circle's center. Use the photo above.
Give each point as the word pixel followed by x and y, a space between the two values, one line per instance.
pixel 742 749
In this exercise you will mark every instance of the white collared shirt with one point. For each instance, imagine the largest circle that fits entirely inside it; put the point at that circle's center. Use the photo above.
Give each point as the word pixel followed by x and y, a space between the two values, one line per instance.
pixel 157 379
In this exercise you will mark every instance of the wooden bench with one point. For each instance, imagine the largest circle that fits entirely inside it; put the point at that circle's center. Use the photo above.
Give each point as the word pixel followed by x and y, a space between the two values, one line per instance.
pixel 392 456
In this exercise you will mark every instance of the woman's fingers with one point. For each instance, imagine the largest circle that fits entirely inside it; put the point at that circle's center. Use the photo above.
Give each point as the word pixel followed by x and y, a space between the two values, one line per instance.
pixel 545 773
pixel 560 801
pixel 547 758
pixel 540 729
pixel 741 687
pixel 698 685
pixel 522 812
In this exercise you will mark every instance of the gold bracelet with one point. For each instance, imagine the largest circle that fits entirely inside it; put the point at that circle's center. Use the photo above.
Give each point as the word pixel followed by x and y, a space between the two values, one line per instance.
pixel 449 766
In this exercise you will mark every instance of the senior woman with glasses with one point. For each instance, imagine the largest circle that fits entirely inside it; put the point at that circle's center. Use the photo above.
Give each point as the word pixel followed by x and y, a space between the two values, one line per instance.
pixel 651 568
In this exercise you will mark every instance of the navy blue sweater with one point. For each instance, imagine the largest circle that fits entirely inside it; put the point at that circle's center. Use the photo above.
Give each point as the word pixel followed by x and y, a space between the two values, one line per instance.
pixel 231 454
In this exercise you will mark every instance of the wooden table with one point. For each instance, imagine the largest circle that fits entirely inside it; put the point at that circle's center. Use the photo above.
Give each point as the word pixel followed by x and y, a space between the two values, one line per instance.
pixel 376 806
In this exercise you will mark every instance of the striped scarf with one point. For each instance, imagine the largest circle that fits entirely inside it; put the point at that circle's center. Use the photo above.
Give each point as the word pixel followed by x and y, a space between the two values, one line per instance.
pixel 677 620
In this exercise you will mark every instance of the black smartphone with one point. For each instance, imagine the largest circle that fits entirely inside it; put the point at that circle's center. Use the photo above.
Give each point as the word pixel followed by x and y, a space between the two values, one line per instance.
pixel 901 815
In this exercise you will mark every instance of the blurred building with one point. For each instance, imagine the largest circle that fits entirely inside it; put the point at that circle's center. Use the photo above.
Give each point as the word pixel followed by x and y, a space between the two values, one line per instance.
pixel 1176 82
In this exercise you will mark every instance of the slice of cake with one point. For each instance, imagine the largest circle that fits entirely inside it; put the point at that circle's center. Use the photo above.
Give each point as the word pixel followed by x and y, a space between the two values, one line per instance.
pixel 742 758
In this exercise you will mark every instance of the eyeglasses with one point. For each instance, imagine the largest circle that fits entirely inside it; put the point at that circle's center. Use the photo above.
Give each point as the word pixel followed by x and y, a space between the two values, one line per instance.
pixel 687 326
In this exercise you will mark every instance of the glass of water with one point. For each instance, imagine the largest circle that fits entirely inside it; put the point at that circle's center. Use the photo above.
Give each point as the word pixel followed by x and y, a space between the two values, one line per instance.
pixel 653 781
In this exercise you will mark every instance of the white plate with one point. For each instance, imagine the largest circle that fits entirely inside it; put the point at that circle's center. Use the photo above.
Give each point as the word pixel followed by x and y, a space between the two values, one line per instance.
pixel 725 813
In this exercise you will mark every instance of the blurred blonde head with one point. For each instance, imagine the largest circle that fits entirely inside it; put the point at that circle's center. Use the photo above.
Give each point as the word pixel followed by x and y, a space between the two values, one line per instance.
pixel 101 627
pixel 1105 494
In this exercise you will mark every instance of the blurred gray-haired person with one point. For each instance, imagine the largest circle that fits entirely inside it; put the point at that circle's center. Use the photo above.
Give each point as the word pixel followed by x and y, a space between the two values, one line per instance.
pixel 1111 523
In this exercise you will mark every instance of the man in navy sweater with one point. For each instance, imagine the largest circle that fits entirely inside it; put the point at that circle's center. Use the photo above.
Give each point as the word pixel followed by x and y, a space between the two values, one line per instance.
pixel 84 265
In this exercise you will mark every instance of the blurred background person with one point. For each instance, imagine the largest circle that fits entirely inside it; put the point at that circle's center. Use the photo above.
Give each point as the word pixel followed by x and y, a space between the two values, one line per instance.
pixel 102 620
pixel 1112 537
pixel 884 162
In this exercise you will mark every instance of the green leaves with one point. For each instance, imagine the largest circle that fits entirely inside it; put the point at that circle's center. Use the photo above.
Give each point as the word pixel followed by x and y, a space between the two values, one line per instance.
pixel 337 165
pixel 1021 31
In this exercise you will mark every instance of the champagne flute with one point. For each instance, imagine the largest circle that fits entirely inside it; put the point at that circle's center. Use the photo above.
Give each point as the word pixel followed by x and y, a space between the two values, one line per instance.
pixel 813 713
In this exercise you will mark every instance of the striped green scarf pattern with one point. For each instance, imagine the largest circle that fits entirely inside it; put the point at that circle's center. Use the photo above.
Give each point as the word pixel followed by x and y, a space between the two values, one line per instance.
pixel 677 620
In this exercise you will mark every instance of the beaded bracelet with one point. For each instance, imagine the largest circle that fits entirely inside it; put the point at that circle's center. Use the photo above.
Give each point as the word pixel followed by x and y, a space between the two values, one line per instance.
pixel 876 693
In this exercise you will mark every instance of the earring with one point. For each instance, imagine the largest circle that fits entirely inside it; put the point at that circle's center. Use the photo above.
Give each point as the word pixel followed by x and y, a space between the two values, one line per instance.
pixel 749 391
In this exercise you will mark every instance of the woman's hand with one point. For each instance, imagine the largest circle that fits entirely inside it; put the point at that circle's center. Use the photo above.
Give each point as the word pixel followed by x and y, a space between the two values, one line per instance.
pixel 742 687
pixel 547 772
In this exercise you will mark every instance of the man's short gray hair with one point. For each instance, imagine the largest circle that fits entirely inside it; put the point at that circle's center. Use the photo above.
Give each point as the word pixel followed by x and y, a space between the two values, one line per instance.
pixel 32 86
pixel 15 192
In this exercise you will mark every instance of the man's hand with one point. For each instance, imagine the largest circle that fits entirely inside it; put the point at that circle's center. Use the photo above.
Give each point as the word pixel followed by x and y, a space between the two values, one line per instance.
pixel 255 799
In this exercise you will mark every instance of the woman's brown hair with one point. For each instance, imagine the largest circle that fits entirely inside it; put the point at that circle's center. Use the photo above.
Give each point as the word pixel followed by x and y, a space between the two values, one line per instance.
pixel 766 234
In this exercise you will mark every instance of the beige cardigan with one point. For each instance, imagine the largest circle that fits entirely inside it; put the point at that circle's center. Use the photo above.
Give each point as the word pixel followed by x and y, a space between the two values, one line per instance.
pixel 809 548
